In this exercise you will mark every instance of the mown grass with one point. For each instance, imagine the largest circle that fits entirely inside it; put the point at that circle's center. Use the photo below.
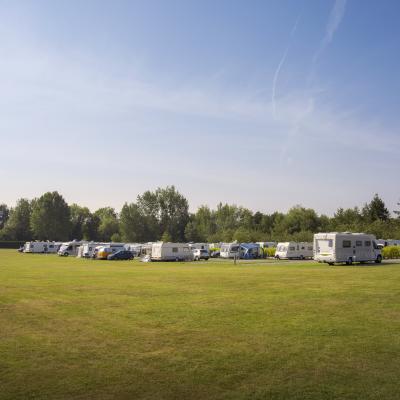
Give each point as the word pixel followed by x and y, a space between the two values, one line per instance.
pixel 82 329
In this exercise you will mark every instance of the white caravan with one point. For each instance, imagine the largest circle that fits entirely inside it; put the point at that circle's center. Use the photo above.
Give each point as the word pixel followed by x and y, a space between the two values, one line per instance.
pixel 346 247
pixel 165 251
pixel 230 250
pixel 292 250
pixel 70 248
pixel 41 247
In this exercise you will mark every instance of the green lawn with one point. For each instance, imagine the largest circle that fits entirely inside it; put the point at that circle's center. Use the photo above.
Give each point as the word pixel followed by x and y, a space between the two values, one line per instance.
pixel 83 329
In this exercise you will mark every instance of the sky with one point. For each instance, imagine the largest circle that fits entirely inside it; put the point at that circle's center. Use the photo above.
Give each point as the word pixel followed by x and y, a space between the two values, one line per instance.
pixel 264 104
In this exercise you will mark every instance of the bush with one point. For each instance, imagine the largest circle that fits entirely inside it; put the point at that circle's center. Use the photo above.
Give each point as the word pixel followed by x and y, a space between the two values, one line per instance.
pixel 269 252
pixel 11 244
pixel 391 252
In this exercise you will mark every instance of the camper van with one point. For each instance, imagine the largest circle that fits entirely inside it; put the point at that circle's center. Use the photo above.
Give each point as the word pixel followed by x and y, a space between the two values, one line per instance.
pixel 294 250
pixel 230 250
pixel 111 248
pixel 69 248
pixel 165 251
pixel 346 247
pixel 41 247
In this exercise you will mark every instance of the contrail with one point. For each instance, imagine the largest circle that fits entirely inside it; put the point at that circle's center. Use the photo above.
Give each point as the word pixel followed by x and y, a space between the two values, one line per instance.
pixel 278 69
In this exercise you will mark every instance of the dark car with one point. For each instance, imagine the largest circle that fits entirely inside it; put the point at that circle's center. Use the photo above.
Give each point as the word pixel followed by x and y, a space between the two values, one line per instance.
pixel 121 255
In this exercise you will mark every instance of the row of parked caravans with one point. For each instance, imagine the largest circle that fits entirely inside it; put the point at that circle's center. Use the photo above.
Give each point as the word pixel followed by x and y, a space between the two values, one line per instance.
pixel 330 248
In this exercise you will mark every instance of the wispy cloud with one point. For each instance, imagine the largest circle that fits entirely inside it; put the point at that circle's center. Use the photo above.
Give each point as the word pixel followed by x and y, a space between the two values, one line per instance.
pixel 279 67
pixel 335 18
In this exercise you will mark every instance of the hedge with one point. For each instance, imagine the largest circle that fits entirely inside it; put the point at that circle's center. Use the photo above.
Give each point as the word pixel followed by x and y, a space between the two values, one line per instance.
pixel 11 244
pixel 391 252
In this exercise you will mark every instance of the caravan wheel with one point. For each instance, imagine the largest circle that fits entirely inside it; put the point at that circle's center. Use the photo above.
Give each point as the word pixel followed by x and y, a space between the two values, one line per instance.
pixel 301 257
pixel 349 261
pixel 378 259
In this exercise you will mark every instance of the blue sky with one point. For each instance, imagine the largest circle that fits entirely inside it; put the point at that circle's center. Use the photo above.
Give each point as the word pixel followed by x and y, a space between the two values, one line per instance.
pixel 266 104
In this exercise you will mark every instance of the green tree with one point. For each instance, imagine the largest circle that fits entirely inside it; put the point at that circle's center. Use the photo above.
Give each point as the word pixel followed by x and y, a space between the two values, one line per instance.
pixel 375 210
pixel 4 214
pixel 18 225
pixel 50 218
pixel 108 223
pixel 133 224
pixel 80 217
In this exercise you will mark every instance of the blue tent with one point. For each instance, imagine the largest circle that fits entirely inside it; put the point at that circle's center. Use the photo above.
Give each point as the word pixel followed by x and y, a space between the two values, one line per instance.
pixel 249 250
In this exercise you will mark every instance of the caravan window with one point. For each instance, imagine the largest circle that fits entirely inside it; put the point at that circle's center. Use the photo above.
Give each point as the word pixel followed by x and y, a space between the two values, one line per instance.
pixel 346 244
pixel 235 248
pixel 358 243
pixel 292 248
pixel 310 248
pixel 174 249
pixel 303 248
pixel 367 243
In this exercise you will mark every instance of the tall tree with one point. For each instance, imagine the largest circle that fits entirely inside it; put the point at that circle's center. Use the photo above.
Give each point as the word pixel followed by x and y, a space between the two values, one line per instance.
pixel 18 225
pixel 133 224
pixel 108 225
pixel 4 214
pixel 80 216
pixel 375 210
pixel 50 219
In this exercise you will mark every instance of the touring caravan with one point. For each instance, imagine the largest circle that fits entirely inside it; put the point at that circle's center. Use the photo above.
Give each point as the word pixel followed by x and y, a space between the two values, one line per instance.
pixel 41 247
pixel 70 248
pixel 230 250
pixel 165 251
pixel 294 250
pixel 346 247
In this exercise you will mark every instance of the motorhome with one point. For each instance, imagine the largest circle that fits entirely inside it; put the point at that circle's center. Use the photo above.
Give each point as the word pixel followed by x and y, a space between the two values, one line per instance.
pixel 41 247
pixel 230 250
pixel 294 250
pixel 70 248
pixel 346 247
pixel 165 251
pixel 111 248
pixel 250 251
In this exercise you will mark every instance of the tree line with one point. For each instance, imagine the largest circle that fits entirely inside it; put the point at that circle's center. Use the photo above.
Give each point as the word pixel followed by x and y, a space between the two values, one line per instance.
pixel 164 214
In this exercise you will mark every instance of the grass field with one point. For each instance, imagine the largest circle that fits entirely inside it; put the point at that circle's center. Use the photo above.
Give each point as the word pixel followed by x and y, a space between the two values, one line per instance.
pixel 82 329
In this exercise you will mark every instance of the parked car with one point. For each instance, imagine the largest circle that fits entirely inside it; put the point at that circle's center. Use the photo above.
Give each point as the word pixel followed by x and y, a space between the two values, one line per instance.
pixel 200 254
pixel 121 255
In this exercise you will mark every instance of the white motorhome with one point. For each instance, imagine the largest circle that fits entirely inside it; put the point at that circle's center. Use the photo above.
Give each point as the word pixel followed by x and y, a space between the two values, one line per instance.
pixel 230 250
pixel 346 247
pixel 165 251
pixel 41 247
pixel 294 250
pixel 70 248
